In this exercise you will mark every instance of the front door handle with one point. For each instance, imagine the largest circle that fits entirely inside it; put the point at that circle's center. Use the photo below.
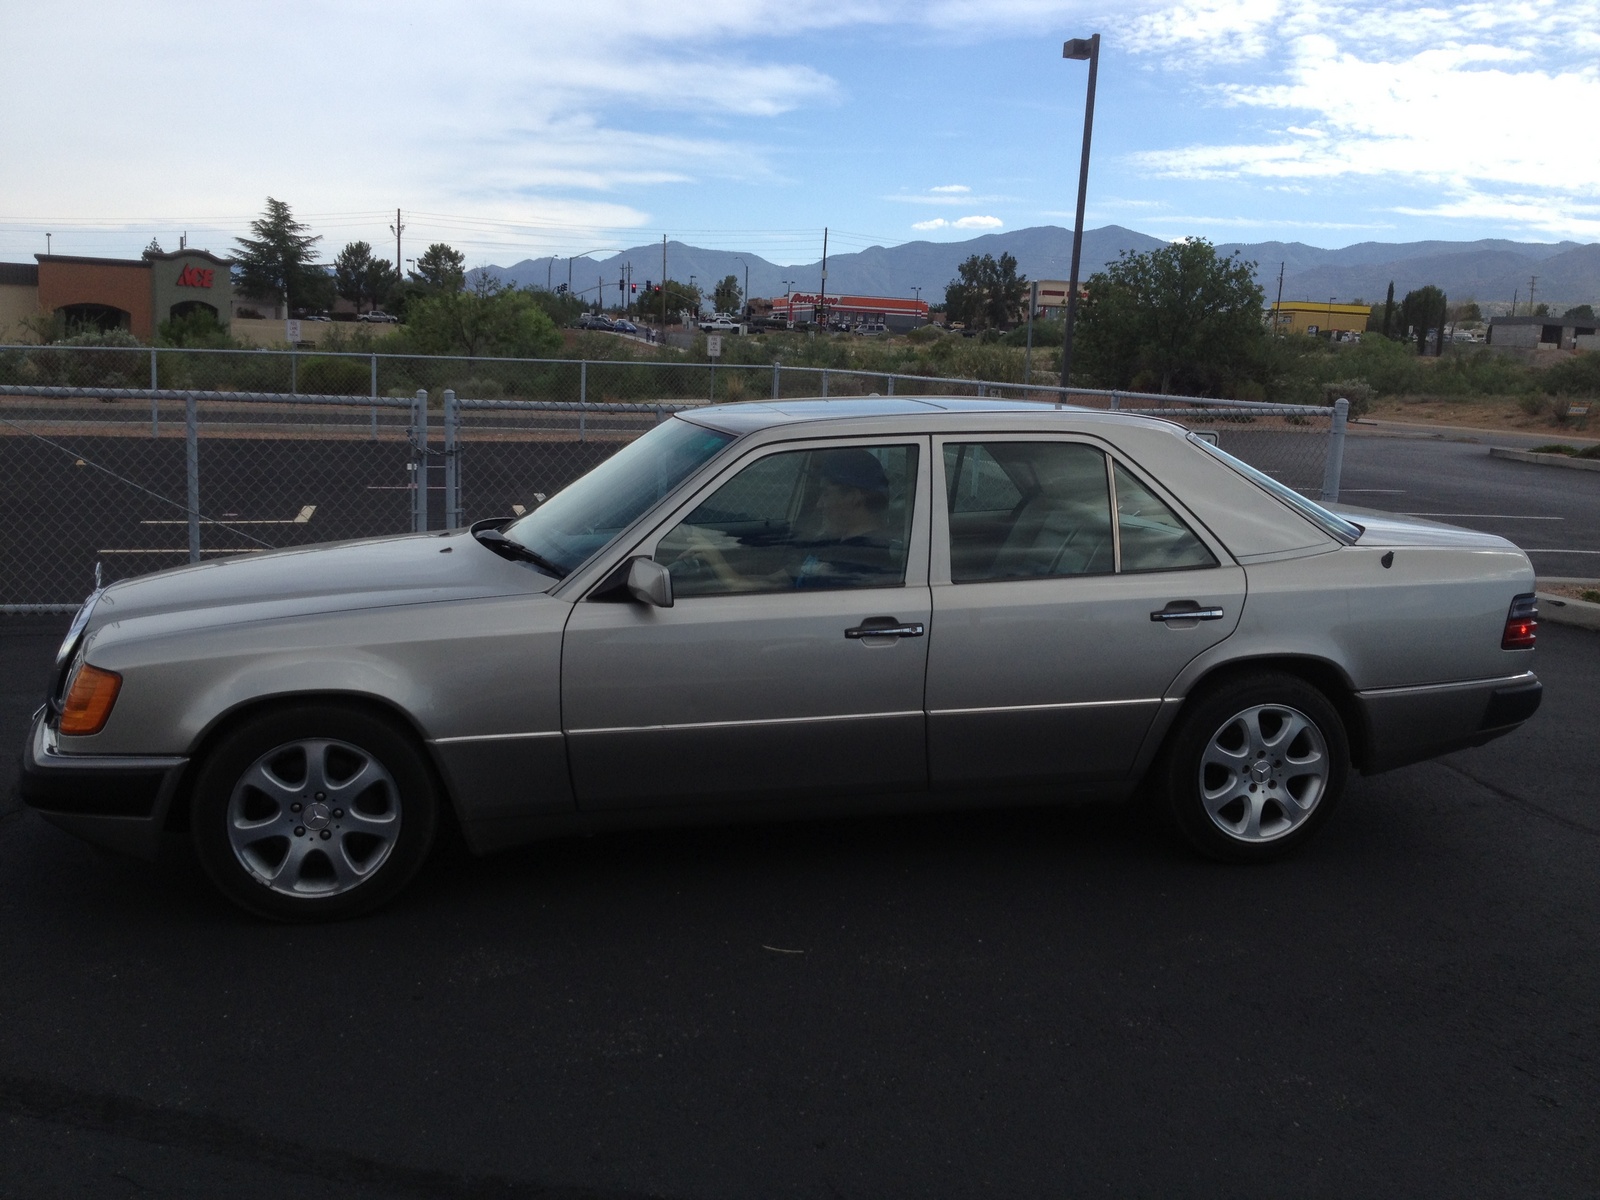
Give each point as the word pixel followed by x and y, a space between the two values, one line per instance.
pixel 1186 610
pixel 886 627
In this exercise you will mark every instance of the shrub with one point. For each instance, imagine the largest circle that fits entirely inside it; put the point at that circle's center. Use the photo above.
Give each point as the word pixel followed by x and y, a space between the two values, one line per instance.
pixel 1359 392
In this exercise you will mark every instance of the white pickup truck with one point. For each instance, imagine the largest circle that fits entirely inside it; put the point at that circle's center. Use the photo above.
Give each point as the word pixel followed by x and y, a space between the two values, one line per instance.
pixel 720 323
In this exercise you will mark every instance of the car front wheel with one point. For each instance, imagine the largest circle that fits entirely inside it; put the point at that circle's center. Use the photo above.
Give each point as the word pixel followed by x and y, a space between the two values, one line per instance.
pixel 1254 767
pixel 313 813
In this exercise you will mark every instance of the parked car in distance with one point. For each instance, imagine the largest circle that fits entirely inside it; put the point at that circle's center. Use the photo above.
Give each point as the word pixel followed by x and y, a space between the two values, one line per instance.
pixel 720 323
pixel 872 328
pixel 378 316
pixel 779 609
pixel 624 326
pixel 595 321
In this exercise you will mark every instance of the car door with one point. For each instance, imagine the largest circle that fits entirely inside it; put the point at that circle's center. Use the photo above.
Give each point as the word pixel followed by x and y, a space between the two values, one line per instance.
pixel 1067 595
pixel 793 657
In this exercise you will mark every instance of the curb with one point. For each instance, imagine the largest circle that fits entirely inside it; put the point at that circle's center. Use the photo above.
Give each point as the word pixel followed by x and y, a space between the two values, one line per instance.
pixel 1564 611
pixel 1549 460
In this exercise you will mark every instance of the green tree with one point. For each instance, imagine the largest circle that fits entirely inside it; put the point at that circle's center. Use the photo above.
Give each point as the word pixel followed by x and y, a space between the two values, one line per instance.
pixel 987 292
pixel 277 264
pixel 1422 310
pixel 1582 312
pixel 1469 311
pixel 441 269
pixel 362 279
pixel 1176 319
pixel 726 296
pixel 1541 309
pixel 489 318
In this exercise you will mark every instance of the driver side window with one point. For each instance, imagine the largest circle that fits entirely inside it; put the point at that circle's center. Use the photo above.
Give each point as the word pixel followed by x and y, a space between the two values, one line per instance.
pixel 835 517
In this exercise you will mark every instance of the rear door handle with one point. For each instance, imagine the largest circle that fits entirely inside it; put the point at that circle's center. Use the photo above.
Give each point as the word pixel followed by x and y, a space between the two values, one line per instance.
pixel 886 627
pixel 1186 610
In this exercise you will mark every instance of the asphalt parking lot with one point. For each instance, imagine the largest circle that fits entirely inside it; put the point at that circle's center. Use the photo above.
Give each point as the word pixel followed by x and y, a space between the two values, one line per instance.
pixel 1012 1003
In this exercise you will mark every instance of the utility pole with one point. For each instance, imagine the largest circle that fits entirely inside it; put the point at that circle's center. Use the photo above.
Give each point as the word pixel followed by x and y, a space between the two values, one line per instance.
pixel 1532 279
pixel 1027 355
pixel 548 264
pixel 663 285
pixel 47 245
pixel 1278 303
pixel 397 229
pixel 820 312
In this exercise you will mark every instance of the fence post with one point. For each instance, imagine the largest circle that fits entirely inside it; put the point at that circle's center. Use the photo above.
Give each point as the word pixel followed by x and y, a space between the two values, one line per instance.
pixel 1335 464
pixel 583 400
pixel 1115 402
pixel 824 384
pixel 776 368
pixel 452 476
pixel 155 405
pixel 374 396
pixel 191 471
pixel 891 385
pixel 419 462
pixel 294 373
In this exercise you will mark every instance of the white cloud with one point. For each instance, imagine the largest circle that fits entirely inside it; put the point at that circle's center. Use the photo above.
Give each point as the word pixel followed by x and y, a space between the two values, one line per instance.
pixel 973 222
pixel 1471 98
pixel 951 188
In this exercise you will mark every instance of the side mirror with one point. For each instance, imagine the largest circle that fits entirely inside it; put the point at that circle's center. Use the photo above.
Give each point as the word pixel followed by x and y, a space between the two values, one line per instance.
pixel 649 582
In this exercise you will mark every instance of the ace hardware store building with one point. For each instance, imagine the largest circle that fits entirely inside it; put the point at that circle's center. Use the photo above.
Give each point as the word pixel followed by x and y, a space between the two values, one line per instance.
pixel 134 294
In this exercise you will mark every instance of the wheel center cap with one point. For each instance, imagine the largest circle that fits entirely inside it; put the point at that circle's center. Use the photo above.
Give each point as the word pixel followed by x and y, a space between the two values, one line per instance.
pixel 1260 771
pixel 317 816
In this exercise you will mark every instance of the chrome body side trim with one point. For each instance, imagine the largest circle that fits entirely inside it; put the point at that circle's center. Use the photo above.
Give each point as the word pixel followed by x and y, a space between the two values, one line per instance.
pixel 692 725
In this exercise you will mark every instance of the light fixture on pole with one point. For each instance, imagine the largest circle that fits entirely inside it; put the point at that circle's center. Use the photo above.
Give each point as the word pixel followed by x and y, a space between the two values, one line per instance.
pixel 1079 49
pixel 737 259
pixel 596 250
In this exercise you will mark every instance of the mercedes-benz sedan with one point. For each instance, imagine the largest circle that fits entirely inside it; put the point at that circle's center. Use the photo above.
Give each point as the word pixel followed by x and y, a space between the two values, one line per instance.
pixel 787 608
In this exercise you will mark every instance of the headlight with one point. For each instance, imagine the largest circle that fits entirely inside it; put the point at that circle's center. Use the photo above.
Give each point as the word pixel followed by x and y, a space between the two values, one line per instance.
pixel 69 643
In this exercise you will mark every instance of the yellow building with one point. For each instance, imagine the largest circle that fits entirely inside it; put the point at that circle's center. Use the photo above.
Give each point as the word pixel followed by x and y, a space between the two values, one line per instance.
pixel 1319 316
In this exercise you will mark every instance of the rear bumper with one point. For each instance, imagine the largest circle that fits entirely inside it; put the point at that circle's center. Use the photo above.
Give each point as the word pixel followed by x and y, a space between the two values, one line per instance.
pixel 120 802
pixel 1408 725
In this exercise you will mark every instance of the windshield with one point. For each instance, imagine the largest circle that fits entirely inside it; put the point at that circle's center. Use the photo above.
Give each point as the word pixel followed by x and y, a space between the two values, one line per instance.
pixel 1329 522
pixel 586 514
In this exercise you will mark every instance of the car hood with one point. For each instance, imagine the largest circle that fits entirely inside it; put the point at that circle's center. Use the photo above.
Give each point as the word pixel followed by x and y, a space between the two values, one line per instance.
pixel 1386 529
pixel 340 576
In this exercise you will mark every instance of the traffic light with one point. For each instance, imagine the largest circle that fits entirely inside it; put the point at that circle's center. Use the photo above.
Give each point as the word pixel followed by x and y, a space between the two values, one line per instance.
pixel 633 289
pixel 648 289
pixel 561 289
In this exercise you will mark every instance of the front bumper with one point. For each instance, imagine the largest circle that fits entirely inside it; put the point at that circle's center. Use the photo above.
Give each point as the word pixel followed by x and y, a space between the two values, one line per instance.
pixel 1410 724
pixel 117 801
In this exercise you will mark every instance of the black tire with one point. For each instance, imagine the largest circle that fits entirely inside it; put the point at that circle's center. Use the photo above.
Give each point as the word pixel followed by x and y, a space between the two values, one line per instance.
pixel 1254 767
pixel 313 813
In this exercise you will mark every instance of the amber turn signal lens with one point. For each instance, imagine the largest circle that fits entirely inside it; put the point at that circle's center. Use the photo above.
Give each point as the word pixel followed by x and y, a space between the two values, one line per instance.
pixel 89 700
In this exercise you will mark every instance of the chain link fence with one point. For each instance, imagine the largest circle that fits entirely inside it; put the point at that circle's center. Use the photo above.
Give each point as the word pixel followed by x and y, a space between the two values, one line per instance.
pixel 117 462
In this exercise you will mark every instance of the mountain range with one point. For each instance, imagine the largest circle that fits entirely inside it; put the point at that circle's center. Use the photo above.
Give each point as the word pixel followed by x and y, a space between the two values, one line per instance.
pixel 1491 271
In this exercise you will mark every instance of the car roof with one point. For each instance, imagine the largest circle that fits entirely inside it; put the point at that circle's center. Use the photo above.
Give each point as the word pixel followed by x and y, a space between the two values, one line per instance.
pixel 750 417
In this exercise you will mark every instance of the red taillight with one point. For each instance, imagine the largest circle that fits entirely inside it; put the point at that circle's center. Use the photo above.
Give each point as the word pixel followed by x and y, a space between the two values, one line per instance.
pixel 1522 623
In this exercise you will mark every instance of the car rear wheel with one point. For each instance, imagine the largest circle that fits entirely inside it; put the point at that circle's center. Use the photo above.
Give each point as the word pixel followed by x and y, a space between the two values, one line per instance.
pixel 313 813
pixel 1254 767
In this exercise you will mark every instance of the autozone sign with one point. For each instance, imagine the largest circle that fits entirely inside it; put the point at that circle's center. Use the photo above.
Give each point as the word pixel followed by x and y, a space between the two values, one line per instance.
pixel 196 277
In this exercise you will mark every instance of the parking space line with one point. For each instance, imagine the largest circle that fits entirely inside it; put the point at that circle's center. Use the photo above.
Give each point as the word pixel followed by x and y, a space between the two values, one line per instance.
pixel 302 518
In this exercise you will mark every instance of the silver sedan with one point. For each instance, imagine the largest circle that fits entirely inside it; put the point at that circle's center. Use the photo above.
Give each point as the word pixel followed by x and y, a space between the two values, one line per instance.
pixel 780 609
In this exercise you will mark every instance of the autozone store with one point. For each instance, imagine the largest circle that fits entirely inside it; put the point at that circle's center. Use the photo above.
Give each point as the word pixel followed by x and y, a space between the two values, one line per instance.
pixel 898 313
pixel 132 294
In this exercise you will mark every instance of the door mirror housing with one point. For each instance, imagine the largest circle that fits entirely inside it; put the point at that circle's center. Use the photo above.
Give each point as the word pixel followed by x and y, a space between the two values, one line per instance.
pixel 649 582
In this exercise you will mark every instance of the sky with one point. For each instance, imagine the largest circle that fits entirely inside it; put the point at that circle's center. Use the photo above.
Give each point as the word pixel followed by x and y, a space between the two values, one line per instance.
pixel 516 130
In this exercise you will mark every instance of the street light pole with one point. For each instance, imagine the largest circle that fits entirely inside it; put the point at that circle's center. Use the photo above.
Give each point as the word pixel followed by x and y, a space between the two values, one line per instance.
pixel 1079 49
pixel 737 259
